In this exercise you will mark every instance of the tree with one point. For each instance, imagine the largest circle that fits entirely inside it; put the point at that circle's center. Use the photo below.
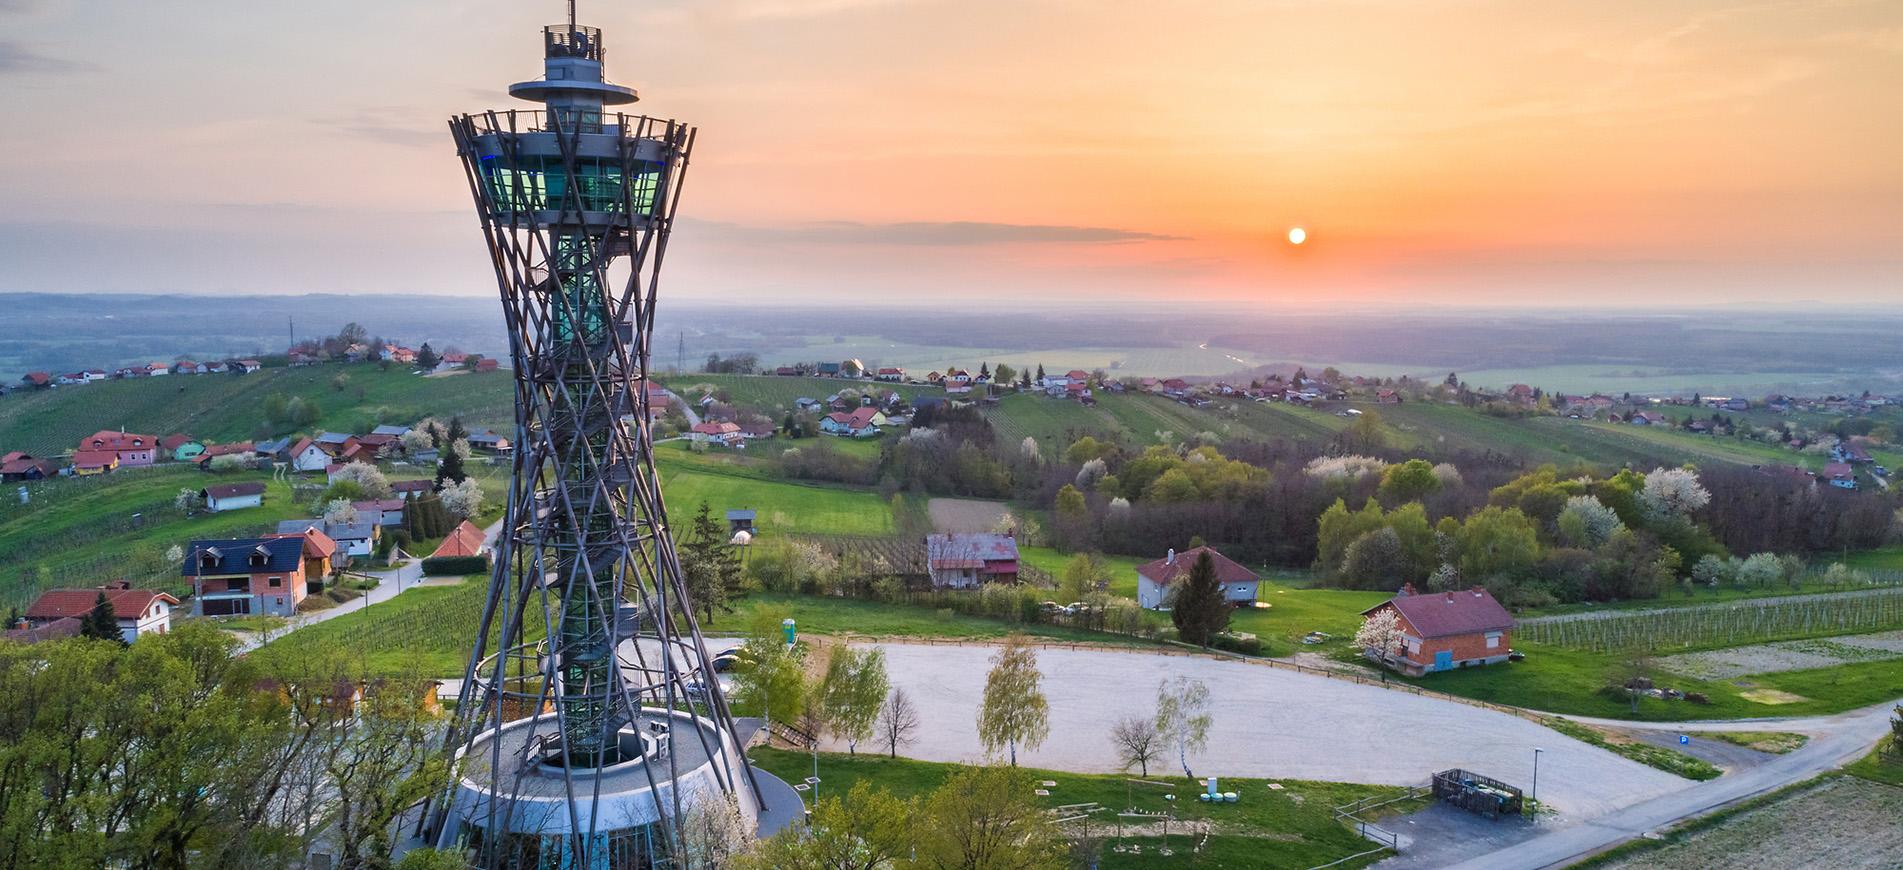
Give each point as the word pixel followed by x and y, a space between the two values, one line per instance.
pixel 709 565
pixel 1671 493
pixel 770 677
pixel 1380 633
pixel 340 512
pixel 1412 480
pixel 1182 717
pixel 1137 742
pixel 898 722
pixel 449 465
pixel 854 690
pixel 426 357
pixel 1014 710
pixel 1040 373
pixel 100 622
pixel 1084 575
pixel 462 500
pixel 868 830
pixel 1004 374
pixel 370 482
pixel 188 500
pixel 984 818
pixel 1201 609
pixel 1496 541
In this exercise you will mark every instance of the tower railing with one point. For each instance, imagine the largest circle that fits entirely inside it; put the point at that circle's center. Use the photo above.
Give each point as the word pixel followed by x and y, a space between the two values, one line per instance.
pixel 620 124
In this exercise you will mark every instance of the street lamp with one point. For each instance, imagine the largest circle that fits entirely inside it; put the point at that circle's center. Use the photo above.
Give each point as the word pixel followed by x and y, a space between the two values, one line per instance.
pixel 1536 782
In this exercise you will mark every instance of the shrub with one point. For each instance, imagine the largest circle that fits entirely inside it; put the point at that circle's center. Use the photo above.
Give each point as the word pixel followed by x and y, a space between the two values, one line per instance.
pixel 455 565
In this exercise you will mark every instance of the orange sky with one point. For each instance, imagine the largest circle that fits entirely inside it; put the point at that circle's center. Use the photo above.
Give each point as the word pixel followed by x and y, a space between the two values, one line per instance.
pixel 1441 153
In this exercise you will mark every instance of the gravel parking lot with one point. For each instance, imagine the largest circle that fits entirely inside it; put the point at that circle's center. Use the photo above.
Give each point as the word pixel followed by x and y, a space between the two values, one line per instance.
pixel 1267 723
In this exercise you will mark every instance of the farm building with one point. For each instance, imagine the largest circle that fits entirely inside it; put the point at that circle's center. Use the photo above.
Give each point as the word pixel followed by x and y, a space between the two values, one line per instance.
pixel 968 561
pixel 860 423
pixel 233 496
pixel 1442 631
pixel 17 466
pixel 247 575
pixel 138 611
pixel 1154 579
pixel 131 448
pixel 741 520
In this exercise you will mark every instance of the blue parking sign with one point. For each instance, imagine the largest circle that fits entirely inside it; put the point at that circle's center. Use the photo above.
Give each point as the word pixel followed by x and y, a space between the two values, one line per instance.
pixel 1684 739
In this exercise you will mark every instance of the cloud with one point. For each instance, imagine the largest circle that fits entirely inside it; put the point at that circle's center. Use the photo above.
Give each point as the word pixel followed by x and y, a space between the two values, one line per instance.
pixel 18 59
pixel 935 233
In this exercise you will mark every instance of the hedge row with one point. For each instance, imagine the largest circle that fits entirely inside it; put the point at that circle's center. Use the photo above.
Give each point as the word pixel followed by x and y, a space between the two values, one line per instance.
pixel 456 565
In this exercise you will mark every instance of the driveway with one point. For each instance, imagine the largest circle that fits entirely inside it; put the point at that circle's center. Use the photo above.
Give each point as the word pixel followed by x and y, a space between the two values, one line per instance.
pixel 1269 724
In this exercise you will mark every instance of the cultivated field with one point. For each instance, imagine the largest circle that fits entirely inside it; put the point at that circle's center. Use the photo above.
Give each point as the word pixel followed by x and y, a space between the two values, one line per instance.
pixel 1842 822
pixel 784 507
pixel 1722 625
pixel 231 407
pixel 1790 655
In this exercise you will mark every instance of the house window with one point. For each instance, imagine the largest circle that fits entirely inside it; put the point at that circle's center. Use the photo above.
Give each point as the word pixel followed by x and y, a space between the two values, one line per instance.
pixel 276 582
pixel 1493 640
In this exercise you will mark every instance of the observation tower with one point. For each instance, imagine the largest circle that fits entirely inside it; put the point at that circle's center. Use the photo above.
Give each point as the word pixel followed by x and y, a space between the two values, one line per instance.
pixel 589 725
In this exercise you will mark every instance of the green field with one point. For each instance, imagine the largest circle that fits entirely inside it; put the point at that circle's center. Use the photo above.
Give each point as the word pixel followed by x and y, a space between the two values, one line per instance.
pixel 230 407
pixel 426 631
pixel 1292 827
pixel 785 507
pixel 86 531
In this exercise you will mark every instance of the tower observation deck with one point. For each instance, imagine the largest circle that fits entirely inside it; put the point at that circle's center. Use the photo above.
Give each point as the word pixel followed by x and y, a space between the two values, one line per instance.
pixel 589 722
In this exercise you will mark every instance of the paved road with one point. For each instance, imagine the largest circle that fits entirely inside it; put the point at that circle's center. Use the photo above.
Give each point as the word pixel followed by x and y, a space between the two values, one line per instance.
pixel 1268 723
pixel 1834 741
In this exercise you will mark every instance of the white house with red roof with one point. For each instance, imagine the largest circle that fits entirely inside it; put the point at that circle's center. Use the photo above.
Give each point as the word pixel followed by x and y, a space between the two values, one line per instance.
pixel 862 422
pixel 138 611
pixel 1154 579
pixel 717 433
pixel 890 374
pixel 1444 631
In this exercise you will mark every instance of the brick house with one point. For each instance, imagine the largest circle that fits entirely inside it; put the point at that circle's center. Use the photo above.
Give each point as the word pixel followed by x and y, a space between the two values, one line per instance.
pixel 138 611
pixel 1442 631
pixel 246 575
pixel 1154 579
pixel 968 561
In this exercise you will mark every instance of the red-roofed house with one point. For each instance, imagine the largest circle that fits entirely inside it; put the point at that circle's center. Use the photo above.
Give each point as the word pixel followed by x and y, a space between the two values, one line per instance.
pixel 465 540
pixel 17 466
pixel 859 423
pixel 307 456
pixel 87 462
pixel 132 448
pixel 139 611
pixel 1441 631
pixel 37 380
pixel 1840 475
pixel 891 374
pixel 717 433
pixel 1154 579
pixel 968 561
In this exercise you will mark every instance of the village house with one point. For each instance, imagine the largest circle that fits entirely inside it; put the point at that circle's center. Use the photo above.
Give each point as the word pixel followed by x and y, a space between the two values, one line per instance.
pixel 1841 475
pixel 19 467
pixel 741 520
pixel 728 434
pixel 382 511
pixel 181 447
pixel 131 448
pixel 353 539
pixel 1648 418
pixel 410 490
pixel 90 462
pixel 247 366
pixel 320 552
pixel 243 450
pixel 1155 579
pixel 244 576
pixel 487 441
pixel 137 611
pixel 274 450
pixel 970 560
pixel 1442 631
pixel 890 374
pixel 463 541
pixel 334 443
pixel 305 455
pixel 858 423
pixel 233 496
pixel 37 380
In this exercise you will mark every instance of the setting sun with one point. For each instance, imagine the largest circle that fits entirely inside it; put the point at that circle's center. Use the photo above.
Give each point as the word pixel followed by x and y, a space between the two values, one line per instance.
pixel 1297 235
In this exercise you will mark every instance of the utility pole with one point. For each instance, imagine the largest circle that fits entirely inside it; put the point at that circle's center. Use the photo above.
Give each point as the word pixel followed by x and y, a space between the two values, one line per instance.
pixel 680 355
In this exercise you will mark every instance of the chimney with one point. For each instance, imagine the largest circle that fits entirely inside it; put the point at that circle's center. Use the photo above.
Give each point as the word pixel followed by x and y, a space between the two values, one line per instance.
pixel 1477 591
pixel 1171 558
pixel 1406 589
pixel 1450 598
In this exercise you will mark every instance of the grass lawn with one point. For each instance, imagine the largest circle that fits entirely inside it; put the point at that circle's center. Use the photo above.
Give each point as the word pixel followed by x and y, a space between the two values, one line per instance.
pixel 785 507
pixel 1558 680
pixel 1293 827
pixel 820 615
pixel 1293 612
pixel 1884 764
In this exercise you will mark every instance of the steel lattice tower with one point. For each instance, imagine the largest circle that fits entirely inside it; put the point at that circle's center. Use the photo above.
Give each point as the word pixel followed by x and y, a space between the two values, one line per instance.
pixel 588 723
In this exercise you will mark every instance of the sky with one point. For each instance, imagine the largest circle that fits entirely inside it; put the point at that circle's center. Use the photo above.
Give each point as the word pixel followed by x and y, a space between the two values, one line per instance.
pixel 934 152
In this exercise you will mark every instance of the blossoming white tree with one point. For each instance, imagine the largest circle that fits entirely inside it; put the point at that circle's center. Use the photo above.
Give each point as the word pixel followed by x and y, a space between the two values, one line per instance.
pixel 1380 633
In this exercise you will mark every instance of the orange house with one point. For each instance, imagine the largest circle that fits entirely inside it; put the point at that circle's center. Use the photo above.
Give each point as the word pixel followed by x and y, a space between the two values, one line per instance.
pixel 1443 631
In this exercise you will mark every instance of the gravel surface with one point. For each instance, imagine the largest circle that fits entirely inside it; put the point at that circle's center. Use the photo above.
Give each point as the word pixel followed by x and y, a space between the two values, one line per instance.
pixel 1789 655
pixel 1267 723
